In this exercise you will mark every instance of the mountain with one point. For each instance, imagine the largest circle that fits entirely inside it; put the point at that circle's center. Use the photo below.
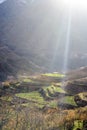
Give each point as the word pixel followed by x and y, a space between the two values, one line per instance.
pixel 37 31
pixel 12 63
pixel 77 74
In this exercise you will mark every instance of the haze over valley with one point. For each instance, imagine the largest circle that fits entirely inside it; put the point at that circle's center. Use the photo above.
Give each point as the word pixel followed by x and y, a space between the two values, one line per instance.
pixel 37 31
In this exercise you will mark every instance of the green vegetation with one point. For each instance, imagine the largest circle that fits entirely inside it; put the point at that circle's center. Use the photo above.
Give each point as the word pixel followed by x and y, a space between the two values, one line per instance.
pixel 34 97
pixel 83 96
pixel 78 124
pixel 53 104
pixel 51 92
pixel 68 100
pixel 54 75
pixel 35 100
pixel 54 89
pixel 38 100
pixel 6 98
pixel 27 80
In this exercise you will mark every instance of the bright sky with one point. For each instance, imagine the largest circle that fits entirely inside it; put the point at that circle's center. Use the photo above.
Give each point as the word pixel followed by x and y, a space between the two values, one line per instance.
pixel 76 4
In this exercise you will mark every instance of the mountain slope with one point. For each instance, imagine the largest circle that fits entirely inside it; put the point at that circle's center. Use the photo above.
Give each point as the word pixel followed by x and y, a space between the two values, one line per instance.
pixel 12 63
pixel 77 74
pixel 37 30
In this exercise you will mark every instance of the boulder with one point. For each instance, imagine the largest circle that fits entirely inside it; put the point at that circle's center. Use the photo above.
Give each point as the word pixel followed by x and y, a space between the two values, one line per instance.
pixel 81 99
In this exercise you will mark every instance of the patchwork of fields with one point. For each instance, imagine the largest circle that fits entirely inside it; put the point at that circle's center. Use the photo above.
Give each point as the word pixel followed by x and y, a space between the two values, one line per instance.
pixel 42 102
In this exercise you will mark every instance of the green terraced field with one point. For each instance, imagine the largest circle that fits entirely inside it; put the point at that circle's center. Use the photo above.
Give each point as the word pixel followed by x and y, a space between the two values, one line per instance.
pixel 35 97
pixel 54 75
pixel 54 89
pixel 68 100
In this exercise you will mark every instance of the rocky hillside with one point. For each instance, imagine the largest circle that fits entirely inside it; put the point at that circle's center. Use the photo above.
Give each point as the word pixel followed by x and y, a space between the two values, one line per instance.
pixel 11 63
pixel 77 74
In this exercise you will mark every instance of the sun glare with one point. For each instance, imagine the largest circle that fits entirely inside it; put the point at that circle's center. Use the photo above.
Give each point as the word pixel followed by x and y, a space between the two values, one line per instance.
pixel 81 4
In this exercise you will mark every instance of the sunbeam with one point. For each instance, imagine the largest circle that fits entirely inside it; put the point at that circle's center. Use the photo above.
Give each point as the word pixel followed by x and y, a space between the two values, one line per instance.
pixel 58 42
pixel 67 42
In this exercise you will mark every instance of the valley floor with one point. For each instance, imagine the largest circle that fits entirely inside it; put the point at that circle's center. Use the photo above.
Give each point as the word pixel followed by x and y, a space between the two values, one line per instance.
pixel 44 102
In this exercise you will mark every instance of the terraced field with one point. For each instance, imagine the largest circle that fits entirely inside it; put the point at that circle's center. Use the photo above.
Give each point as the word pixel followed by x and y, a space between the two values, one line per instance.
pixel 38 102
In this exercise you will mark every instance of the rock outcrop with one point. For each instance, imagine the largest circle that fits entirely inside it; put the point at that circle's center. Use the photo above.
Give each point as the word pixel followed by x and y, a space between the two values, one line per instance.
pixel 81 99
